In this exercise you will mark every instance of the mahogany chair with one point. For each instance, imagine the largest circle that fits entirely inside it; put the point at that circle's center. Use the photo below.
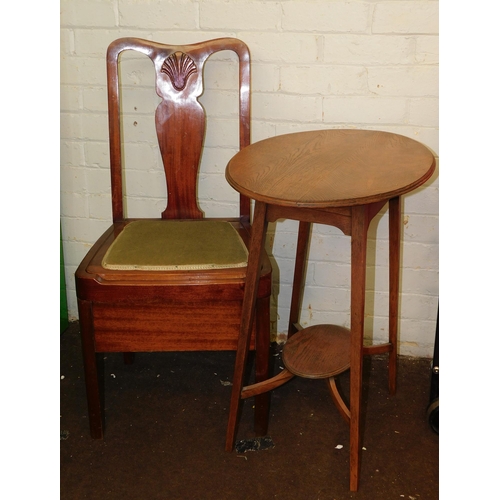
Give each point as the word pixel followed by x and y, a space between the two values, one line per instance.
pixel 174 283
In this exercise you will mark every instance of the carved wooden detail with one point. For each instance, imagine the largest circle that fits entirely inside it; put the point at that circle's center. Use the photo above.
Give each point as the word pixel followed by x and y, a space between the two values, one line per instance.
pixel 178 66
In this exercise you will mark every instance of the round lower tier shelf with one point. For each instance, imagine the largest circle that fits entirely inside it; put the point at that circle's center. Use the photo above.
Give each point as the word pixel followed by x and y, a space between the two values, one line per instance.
pixel 319 351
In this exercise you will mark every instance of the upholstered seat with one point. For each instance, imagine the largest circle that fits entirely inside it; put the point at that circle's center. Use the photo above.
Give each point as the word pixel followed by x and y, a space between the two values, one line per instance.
pixel 167 245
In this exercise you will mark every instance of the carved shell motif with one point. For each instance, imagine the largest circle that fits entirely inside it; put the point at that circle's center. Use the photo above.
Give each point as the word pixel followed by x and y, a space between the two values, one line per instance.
pixel 178 66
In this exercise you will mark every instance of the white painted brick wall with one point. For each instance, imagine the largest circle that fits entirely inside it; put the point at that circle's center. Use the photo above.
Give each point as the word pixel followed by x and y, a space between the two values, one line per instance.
pixel 316 64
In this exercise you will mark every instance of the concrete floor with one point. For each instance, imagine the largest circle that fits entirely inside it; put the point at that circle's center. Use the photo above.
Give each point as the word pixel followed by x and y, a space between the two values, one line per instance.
pixel 166 418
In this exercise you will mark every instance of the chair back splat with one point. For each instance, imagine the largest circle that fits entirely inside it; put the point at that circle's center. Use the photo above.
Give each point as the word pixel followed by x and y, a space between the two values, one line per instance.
pixel 174 283
pixel 179 83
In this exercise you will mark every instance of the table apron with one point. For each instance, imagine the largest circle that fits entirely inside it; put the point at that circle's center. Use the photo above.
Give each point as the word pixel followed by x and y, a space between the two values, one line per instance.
pixel 340 217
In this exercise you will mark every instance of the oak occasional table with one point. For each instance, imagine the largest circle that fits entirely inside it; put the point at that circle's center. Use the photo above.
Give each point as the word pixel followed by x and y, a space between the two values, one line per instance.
pixel 341 178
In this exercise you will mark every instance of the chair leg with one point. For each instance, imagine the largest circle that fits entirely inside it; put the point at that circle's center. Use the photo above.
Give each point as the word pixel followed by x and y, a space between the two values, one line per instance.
pixel 262 366
pixel 128 357
pixel 90 369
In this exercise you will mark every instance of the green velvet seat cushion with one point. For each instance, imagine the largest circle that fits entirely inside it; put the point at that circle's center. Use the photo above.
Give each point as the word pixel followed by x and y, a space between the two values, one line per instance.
pixel 164 245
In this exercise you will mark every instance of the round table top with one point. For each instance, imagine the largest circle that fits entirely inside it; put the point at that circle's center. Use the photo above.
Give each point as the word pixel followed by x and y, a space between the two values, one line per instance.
pixel 330 168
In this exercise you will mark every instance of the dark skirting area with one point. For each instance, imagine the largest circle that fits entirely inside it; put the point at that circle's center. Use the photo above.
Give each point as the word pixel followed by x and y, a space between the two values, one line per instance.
pixel 166 417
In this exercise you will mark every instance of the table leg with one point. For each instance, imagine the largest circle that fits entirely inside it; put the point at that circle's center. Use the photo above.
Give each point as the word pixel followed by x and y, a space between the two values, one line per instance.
pixel 262 366
pixel 298 275
pixel 358 284
pixel 394 266
pixel 256 250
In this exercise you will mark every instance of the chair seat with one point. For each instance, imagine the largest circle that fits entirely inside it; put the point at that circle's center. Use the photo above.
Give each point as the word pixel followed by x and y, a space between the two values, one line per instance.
pixel 166 245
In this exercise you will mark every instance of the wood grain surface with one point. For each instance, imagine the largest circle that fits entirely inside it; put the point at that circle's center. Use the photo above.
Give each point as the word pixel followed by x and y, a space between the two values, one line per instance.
pixel 330 168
